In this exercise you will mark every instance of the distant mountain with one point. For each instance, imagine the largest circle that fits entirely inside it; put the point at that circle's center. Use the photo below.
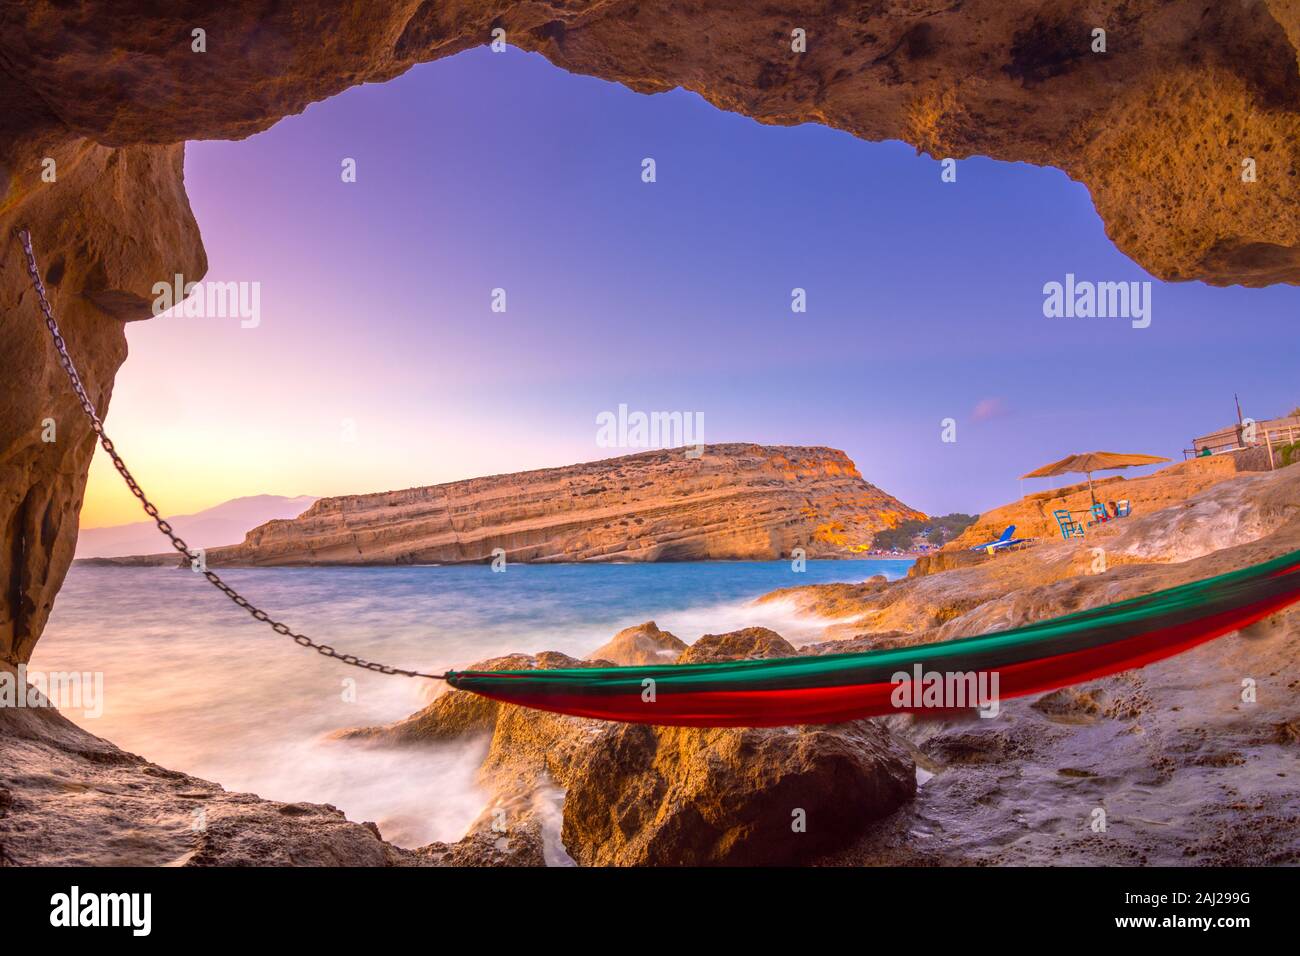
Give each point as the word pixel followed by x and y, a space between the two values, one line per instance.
pixel 222 524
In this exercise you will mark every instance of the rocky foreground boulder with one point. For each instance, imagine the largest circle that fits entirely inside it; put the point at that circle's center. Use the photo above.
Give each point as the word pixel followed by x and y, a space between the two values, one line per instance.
pixel 680 796
pixel 637 795
pixel 750 643
pixel 642 644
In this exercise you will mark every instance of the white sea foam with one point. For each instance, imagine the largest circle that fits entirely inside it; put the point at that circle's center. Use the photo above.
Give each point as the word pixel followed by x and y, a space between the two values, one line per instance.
pixel 782 615
pixel 192 684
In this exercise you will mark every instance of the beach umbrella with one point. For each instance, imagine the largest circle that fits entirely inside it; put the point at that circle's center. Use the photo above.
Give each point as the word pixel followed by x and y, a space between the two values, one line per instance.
pixel 1091 461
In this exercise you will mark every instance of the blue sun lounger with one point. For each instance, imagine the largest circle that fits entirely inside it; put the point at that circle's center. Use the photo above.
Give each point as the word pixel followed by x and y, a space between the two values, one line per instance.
pixel 1005 541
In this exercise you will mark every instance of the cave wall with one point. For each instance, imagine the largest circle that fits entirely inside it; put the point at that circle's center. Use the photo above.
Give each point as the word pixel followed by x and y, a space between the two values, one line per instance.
pixel 1156 127
pixel 114 222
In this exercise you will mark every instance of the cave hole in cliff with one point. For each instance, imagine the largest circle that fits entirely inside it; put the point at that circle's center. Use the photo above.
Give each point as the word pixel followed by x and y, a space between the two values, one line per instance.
pixel 486 182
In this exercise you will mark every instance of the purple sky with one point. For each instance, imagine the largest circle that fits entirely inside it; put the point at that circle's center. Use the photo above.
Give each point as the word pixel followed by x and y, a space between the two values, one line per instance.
pixel 378 363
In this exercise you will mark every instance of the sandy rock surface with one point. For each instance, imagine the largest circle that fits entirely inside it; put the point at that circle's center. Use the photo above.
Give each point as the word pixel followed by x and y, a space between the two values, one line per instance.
pixel 747 644
pixel 1033 515
pixel 641 644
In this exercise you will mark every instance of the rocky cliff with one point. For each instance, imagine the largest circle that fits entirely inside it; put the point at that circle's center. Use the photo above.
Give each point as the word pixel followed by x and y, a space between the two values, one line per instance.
pixel 1187 767
pixel 1033 514
pixel 1158 127
pixel 733 502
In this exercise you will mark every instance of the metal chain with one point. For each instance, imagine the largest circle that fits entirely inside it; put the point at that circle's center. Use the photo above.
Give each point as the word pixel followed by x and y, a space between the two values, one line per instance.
pixel 97 426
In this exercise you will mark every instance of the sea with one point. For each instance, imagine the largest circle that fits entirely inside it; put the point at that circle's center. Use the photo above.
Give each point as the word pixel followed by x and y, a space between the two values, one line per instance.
pixel 193 683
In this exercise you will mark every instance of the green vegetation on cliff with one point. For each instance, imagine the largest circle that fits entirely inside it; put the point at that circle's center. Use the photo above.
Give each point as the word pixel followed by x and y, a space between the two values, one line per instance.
pixel 936 531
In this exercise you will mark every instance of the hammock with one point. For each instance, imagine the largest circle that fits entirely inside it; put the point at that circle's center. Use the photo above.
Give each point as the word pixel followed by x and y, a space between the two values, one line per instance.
pixel 833 688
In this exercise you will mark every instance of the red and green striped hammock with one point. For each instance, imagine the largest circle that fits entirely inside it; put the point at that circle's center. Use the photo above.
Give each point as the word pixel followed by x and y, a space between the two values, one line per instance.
pixel 831 688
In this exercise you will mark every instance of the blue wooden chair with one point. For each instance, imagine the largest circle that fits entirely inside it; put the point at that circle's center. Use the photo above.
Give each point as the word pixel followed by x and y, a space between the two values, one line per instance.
pixel 1099 515
pixel 1122 508
pixel 1069 527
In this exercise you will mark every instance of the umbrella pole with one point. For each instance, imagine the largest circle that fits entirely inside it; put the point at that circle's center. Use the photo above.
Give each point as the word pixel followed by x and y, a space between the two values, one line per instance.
pixel 1090 491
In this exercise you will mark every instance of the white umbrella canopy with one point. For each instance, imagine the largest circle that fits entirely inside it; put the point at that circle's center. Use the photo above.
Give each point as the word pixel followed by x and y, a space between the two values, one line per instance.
pixel 1090 461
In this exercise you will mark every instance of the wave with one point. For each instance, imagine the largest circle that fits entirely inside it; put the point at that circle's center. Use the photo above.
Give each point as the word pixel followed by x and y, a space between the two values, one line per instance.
pixel 191 684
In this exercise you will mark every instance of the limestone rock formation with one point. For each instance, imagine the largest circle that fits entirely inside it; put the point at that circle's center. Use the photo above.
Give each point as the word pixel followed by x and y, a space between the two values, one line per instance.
pixel 733 502
pixel 127 811
pixel 114 223
pixel 1188 771
pixel 642 644
pixel 750 643
pixel 661 795
pixel 1032 515
pixel 1158 127
pixel 678 796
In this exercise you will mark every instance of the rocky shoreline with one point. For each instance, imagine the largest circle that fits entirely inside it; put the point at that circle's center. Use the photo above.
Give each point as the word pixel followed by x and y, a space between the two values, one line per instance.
pixel 1182 769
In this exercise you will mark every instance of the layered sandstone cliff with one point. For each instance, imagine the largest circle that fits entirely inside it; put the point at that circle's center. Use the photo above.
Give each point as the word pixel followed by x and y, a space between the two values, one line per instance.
pixel 734 502
pixel 1033 515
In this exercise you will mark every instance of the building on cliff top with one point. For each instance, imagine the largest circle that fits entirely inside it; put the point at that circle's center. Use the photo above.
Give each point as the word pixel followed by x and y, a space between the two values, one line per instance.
pixel 1271 432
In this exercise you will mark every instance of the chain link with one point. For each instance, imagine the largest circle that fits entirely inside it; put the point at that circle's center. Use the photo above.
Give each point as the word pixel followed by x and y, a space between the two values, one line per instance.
pixel 97 426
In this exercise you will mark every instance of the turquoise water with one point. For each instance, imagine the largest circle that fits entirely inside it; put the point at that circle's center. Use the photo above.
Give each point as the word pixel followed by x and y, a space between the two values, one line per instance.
pixel 192 683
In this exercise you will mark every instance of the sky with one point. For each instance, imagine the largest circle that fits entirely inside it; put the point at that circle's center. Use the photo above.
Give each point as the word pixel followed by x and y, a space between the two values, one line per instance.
pixel 377 362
